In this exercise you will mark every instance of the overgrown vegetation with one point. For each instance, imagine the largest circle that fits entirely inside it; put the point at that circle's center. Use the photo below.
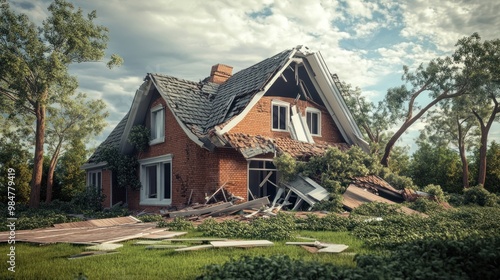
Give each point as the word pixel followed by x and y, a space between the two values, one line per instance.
pixel 124 166
pixel 139 136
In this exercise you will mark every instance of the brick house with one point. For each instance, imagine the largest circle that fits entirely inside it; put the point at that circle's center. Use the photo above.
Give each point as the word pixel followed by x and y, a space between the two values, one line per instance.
pixel 226 130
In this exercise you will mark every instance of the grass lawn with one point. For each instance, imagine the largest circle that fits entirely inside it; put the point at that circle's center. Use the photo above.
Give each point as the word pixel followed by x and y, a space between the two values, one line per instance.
pixel 135 262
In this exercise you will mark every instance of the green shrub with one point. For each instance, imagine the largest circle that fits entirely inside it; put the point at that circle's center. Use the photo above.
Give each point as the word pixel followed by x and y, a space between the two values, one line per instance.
pixel 333 204
pixel 480 196
pixel 91 200
pixel 279 227
pixel 274 267
pixel 331 222
pixel 150 218
pixel 178 223
pixel 455 199
pixel 436 191
pixel 377 209
pixel 425 205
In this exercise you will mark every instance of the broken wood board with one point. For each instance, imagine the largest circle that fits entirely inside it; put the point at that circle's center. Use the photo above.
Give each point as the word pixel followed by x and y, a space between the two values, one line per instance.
pixel 165 247
pixel 165 235
pixel 333 248
pixel 319 247
pixel 354 197
pixel 196 239
pixel 199 211
pixel 256 203
pixel 104 247
pixel 242 243
pixel 148 242
pixel 194 248
pixel 100 222
pixel 90 236
pixel 91 254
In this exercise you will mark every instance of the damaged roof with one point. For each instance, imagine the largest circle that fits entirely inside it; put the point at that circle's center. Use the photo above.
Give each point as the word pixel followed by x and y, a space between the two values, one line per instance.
pixel 113 140
pixel 253 145
pixel 203 105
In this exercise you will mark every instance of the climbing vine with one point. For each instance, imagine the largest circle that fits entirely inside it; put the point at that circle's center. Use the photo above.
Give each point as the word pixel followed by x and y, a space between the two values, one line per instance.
pixel 124 166
pixel 140 137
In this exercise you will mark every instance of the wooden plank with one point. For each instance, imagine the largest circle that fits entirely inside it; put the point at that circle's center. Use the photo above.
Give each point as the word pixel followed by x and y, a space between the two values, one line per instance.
pixel 104 247
pixel 199 211
pixel 257 203
pixel 333 248
pixel 242 243
pixel 194 248
pixel 165 235
pixel 165 247
pixel 196 239
pixel 148 242
pixel 91 254
pixel 315 244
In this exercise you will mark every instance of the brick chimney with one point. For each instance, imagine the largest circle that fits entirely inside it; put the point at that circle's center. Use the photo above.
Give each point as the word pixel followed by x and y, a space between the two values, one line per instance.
pixel 220 73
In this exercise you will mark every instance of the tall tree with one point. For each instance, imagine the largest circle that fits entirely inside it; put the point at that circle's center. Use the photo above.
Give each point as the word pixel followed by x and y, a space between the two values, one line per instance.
pixel 34 60
pixel 69 169
pixel 72 117
pixel 453 124
pixel 373 120
pixel 481 62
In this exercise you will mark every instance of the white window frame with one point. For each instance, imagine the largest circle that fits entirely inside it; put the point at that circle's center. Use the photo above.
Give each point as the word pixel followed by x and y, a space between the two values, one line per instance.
pixel 90 177
pixel 157 122
pixel 159 163
pixel 280 103
pixel 311 110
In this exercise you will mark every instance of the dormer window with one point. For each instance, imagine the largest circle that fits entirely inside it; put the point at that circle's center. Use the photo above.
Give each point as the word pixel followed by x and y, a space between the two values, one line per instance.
pixel 280 115
pixel 157 125
pixel 313 118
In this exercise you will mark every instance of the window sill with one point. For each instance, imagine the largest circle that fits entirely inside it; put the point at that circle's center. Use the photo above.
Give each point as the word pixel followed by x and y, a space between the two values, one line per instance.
pixel 157 141
pixel 279 130
pixel 164 202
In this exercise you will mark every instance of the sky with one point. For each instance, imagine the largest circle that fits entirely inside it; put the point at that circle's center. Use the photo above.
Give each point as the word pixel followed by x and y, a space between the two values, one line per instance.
pixel 366 43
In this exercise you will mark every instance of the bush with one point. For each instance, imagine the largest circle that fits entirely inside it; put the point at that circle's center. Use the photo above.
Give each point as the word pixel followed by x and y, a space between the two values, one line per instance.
pixel 89 200
pixel 330 222
pixel 480 196
pixel 436 191
pixel 150 218
pixel 178 223
pixel 279 227
pixel 425 205
pixel 333 204
pixel 377 209
pixel 274 267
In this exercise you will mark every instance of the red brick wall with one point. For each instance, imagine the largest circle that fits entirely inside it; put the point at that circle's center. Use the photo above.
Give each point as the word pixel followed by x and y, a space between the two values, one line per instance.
pixel 193 168
pixel 233 170
pixel 258 121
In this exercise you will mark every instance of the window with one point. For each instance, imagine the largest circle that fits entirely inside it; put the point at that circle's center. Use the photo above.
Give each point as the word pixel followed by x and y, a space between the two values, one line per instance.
pixel 156 180
pixel 280 116
pixel 313 118
pixel 157 125
pixel 94 179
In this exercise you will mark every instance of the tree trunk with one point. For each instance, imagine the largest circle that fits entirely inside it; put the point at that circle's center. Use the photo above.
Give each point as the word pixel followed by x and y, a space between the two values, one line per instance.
pixel 465 165
pixel 50 175
pixel 36 179
pixel 481 176
pixel 463 155
pixel 409 121
pixel 485 130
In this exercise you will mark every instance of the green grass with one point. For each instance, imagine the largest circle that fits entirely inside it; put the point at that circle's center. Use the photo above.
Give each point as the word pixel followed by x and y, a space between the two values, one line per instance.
pixel 135 262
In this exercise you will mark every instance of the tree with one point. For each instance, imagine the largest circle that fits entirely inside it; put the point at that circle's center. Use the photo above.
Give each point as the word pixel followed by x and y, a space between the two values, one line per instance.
pixel 453 124
pixel 73 117
pixel 72 177
pixel 493 171
pixel 481 62
pixel 34 60
pixel 437 165
pixel 373 120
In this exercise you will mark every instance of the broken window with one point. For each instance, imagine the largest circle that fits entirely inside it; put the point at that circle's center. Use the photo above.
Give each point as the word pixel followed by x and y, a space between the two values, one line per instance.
pixel 156 180
pixel 313 118
pixel 280 115
pixel 157 124
pixel 262 179
pixel 94 179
